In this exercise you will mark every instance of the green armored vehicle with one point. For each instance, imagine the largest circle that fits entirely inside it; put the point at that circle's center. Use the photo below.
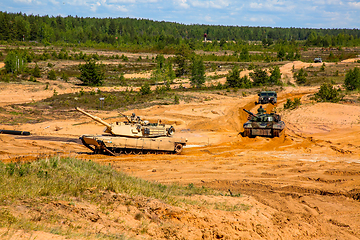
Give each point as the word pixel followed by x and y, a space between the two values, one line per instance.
pixel 267 97
pixel 133 136
pixel 263 124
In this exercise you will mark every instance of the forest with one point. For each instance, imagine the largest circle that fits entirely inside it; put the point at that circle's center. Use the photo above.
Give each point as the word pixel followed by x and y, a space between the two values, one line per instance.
pixel 148 35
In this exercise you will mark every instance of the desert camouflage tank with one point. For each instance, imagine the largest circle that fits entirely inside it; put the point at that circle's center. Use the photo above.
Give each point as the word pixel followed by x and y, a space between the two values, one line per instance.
pixel 133 136
pixel 263 124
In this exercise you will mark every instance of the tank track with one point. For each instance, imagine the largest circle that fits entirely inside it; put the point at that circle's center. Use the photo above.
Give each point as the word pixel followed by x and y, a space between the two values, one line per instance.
pixel 127 151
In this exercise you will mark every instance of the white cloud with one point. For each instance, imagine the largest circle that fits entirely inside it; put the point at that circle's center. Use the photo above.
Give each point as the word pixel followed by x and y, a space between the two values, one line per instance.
pixel 273 6
pixel 219 4
pixel 94 6
pixel 23 1
pixel 121 1
pixel 116 8
pixel 54 2
pixel 354 5
pixel 256 5
pixel 181 3
pixel 77 2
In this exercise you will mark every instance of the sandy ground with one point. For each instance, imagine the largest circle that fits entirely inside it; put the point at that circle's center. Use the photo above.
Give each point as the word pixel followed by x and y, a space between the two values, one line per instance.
pixel 302 185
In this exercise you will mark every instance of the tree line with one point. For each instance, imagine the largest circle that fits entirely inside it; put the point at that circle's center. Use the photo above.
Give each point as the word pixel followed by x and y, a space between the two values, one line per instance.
pixel 149 34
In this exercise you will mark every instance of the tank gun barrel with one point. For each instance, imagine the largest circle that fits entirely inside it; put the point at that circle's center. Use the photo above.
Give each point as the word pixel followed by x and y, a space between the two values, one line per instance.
pixel 94 118
pixel 127 118
pixel 247 111
pixel 13 132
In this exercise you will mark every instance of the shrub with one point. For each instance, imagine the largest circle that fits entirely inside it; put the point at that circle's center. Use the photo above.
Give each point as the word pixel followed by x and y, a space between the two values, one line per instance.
pixel 36 72
pixel 300 76
pixel 92 74
pixel 176 99
pixel 292 104
pixel 352 79
pixel 15 61
pixel 259 77
pixel 52 75
pixel 122 80
pixel 65 77
pixel 328 93
pixel 275 76
pixel 145 89
pixel 233 78
pixel 197 72
pixel 322 68
pixel 32 79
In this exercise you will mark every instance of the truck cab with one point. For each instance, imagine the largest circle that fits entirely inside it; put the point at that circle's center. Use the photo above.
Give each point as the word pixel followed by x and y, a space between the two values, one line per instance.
pixel 267 97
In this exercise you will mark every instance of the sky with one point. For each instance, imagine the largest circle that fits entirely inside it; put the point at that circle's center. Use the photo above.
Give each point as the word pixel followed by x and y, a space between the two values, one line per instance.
pixel 263 13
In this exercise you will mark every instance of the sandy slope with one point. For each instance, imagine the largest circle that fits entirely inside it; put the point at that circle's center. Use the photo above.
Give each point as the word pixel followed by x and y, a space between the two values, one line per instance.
pixel 303 185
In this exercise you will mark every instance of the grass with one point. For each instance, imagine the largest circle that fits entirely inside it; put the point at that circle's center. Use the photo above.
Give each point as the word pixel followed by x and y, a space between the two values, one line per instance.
pixel 112 100
pixel 69 181
pixel 63 178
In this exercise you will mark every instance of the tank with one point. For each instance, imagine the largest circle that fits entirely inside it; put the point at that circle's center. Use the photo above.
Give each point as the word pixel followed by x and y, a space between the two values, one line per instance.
pixel 263 124
pixel 133 136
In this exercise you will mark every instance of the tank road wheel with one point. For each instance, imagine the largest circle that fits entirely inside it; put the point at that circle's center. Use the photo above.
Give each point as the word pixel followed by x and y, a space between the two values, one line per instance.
pixel 128 151
pixel 138 152
pixel 178 148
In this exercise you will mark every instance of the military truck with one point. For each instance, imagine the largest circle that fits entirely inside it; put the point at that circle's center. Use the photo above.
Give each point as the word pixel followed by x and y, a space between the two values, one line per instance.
pixel 318 60
pixel 267 97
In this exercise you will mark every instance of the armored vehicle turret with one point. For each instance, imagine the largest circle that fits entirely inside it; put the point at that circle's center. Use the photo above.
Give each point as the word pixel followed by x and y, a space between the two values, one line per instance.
pixel 263 124
pixel 133 136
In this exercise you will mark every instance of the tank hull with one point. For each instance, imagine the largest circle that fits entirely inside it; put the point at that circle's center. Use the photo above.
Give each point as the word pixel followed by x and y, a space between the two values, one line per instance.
pixel 111 145
pixel 264 132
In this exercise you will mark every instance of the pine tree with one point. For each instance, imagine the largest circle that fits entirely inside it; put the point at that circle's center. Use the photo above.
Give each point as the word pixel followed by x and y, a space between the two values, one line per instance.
pixel 352 79
pixel 197 72
pixel 36 72
pixel 92 74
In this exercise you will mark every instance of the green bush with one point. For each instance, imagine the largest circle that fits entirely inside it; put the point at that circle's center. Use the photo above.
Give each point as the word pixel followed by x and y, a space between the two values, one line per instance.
pixel 233 79
pixel 322 68
pixel 275 76
pixel 328 93
pixel 145 89
pixel 64 77
pixel 292 104
pixel 92 74
pixel 15 62
pixel 197 72
pixel 259 77
pixel 36 72
pixel 52 75
pixel 352 79
pixel 300 76
pixel 176 99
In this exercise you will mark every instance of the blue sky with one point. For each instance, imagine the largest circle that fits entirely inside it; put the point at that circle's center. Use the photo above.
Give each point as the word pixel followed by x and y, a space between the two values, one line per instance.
pixel 270 13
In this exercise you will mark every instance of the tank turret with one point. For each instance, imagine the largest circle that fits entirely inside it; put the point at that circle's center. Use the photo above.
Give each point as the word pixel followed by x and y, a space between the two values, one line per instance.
pixel 133 127
pixel 133 136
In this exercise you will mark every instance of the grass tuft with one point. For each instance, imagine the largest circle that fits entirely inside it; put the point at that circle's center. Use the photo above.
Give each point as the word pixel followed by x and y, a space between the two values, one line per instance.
pixel 64 178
